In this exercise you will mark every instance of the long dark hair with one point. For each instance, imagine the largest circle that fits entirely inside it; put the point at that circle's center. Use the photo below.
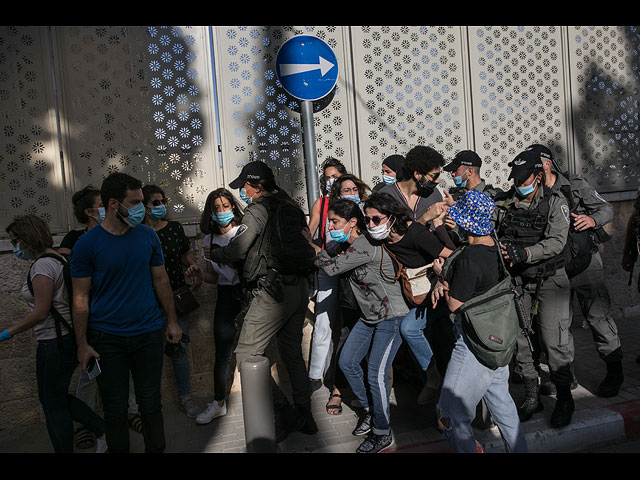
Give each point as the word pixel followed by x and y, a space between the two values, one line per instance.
pixel 207 225
pixel 331 162
pixel 347 209
pixel 389 206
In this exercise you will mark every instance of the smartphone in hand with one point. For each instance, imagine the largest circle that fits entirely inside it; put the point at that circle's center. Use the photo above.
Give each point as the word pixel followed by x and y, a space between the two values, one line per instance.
pixel 93 368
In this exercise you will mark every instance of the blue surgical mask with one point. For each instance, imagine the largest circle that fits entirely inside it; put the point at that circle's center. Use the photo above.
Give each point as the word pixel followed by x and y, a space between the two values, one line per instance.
pixel 526 190
pixel 339 235
pixel 458 181
pixel 22 254
pixel 353 198
pixel 158 212
pixel 223 218
pixel 388 180
pixel 101 214
pixel 243 196
pixel 136 215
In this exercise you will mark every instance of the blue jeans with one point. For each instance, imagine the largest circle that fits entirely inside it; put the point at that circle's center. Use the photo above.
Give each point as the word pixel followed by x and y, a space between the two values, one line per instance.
pixel 142 356
pixel 228 306
pixel 54 369
pixel 382 340
pixel 466 382
pixel 412 331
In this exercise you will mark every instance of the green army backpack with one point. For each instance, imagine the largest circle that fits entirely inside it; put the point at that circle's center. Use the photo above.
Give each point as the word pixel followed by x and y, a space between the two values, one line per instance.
pixel 490 320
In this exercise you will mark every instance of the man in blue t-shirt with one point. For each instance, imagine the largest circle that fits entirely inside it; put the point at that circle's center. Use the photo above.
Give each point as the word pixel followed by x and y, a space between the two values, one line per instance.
pixel 118 271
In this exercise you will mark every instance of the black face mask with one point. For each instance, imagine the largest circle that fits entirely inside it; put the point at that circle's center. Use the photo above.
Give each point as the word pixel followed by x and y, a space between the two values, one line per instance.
pixel 425 189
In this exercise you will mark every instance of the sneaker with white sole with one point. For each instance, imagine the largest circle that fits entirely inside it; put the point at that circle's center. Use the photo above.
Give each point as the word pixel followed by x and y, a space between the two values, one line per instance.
pixel 212 411
pixel 189 407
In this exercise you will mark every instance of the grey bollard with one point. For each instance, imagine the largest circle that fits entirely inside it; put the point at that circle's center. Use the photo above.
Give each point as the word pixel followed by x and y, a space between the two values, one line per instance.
pixel 257 405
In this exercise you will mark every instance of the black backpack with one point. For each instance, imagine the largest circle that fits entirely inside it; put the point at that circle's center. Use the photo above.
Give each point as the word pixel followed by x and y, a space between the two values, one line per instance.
pixel 288 250
pixel 66 273
pixel 580 245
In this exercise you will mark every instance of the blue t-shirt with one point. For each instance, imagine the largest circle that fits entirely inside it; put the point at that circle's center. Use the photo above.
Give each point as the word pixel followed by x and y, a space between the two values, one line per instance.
pixel 122 296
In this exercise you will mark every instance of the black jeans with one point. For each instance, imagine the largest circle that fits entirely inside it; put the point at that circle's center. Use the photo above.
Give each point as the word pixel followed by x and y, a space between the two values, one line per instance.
pixel 142 356
pixel 228 306
pixel 54 369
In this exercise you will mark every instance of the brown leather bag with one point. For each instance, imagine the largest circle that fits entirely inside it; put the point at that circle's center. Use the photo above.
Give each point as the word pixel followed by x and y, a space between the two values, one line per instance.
pixel 416 282
pixel 184 301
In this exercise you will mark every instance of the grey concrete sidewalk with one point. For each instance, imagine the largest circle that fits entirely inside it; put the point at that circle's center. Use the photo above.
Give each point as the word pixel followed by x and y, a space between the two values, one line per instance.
pixel 597 421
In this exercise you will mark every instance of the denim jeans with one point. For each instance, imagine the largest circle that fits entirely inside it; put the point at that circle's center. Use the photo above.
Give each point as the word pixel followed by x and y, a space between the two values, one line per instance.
pixel 228 306
pixel 412 330
pixel 54 369
pixel 381 341
pixel 141 355
pixel 466 382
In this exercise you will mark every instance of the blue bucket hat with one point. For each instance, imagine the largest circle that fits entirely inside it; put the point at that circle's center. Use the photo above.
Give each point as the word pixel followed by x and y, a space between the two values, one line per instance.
pixel 473 212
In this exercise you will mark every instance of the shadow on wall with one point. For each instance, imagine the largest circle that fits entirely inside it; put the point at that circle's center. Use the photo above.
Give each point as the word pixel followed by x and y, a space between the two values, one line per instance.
pixel 606 123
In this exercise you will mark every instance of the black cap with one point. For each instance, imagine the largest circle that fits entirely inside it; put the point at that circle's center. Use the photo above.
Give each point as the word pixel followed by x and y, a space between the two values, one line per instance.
pixel 253 171
pixel 525 164
pixel 394 162
pixel 468 158
pixel 541 150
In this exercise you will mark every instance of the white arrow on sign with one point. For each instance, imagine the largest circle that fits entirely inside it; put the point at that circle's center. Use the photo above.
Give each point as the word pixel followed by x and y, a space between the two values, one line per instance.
pixel 293 68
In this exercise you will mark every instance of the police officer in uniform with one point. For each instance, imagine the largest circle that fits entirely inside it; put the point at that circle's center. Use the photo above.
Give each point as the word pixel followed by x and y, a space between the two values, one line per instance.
pixel 465 172
pixel 532 226
pixel 589 213
pixel 279 299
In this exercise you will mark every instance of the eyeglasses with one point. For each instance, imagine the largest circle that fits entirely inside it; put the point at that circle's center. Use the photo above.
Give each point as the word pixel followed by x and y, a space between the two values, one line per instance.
pixel 433 176
pixel 375 219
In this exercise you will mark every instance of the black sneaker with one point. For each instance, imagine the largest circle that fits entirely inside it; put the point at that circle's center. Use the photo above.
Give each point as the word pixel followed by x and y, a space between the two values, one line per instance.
pixel 375 443
pixel 314 384
pixel 363 426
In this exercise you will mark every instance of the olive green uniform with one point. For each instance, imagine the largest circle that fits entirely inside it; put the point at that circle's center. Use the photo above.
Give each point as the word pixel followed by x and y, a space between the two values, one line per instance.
pixel 269 317
pixel 553 317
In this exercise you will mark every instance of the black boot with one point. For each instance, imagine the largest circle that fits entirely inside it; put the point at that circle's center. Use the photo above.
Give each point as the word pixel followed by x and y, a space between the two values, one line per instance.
pixel 532 403
pixel 563 411
pixel 288 420
pixel 309 427
pixel 612 382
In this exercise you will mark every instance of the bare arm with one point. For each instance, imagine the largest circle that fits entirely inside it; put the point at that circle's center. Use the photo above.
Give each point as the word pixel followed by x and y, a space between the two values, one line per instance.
pixel 42 294
pixel 80 313
pixel 162 287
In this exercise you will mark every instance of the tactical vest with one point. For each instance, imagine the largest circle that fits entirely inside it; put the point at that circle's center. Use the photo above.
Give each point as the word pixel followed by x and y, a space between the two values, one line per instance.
pixel 526 227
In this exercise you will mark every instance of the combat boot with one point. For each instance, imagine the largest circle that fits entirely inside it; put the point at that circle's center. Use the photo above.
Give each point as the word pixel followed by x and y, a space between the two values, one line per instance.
pixel 564 408
pixel 532 403
pixel 612 382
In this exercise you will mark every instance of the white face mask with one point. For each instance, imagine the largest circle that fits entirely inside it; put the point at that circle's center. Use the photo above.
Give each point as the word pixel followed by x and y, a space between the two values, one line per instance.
pixel 381 231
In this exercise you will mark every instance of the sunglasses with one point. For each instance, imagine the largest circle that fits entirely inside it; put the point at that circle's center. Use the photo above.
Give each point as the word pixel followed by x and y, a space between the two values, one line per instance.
pixel 375 219
pixel 433 176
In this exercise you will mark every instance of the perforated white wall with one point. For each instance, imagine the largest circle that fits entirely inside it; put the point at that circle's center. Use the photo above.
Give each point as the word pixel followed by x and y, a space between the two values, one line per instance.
pixel 148 101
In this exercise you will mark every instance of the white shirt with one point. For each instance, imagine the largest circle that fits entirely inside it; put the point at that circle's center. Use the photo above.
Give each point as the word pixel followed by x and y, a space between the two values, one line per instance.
pixel 226 274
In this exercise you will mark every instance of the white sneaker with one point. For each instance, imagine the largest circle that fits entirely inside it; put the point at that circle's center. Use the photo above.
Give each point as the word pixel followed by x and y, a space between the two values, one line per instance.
pixel 212 411
pixel 101 444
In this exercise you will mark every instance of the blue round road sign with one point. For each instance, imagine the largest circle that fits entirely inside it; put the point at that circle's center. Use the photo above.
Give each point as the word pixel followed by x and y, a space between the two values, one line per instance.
pixel 306 67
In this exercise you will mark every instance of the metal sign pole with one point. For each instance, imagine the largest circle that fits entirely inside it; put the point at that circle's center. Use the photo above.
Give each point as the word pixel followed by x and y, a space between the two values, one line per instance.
pixel 310 155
